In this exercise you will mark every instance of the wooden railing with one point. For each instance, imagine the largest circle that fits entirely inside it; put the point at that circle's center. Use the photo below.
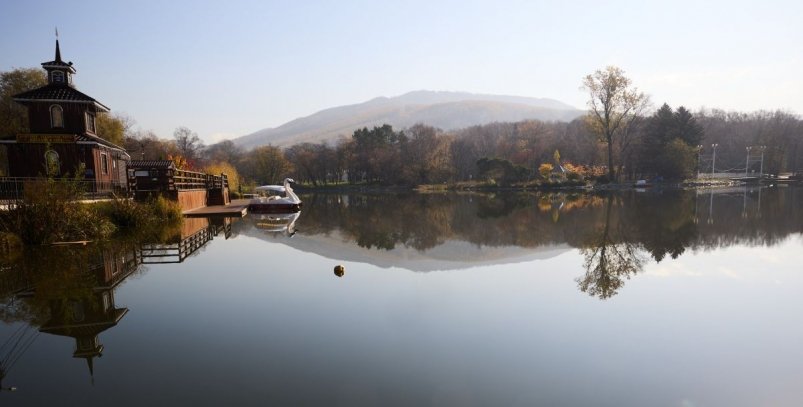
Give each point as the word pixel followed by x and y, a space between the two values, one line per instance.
pixel 13 188
pixel 184 180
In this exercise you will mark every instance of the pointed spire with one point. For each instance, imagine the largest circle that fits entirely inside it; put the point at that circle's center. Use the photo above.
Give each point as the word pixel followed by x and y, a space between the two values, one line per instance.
pixel 89 362
pixel 58 51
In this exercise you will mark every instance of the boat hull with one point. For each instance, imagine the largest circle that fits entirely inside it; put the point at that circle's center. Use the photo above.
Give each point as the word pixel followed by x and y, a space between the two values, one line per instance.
pixel 274 207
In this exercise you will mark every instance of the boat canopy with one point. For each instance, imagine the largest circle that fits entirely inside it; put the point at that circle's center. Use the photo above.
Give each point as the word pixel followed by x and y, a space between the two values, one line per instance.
pixel 274 188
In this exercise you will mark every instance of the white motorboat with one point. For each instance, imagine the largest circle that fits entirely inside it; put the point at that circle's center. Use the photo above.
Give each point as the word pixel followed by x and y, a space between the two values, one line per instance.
pixel 275 198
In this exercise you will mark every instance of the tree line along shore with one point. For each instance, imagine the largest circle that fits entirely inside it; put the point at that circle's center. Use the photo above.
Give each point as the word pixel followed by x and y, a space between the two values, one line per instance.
pixel 623 137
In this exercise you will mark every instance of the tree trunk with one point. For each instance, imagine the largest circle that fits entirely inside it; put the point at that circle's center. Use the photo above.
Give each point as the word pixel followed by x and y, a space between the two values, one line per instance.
pixel 610 159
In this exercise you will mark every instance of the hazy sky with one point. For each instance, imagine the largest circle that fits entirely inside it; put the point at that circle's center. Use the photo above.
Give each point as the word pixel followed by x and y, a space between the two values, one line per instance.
pixel 229 68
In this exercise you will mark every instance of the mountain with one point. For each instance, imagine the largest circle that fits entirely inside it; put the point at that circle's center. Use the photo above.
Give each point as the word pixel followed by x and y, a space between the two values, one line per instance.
pixel 445 110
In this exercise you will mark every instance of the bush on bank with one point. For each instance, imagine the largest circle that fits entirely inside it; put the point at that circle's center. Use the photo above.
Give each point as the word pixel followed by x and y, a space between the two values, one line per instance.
pixel 50 211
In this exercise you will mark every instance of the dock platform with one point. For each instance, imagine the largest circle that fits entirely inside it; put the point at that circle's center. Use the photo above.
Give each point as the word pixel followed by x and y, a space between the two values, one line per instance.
pixel 236 209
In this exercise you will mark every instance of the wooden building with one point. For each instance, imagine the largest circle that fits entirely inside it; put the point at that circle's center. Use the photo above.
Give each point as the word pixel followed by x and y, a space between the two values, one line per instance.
pixel 148 179
pixel 63 136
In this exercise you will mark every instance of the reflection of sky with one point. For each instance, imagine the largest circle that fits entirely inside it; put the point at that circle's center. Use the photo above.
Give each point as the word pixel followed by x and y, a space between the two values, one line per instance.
pixel 250 322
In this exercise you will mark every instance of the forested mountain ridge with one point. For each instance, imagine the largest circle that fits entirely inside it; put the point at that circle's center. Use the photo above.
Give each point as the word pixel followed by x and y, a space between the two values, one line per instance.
pixel 445 110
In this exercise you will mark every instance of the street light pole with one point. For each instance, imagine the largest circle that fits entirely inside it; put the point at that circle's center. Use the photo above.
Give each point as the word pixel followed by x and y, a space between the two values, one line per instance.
pixel 714 159
pixel 761 170
pixel 747 162
pixel 699 153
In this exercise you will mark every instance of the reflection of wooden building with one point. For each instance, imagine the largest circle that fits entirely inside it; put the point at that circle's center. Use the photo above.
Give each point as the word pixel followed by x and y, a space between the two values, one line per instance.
pixel 63 138
pixel 84 317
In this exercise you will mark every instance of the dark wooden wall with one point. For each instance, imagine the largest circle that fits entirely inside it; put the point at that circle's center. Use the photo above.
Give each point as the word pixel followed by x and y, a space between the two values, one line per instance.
pixel 74 118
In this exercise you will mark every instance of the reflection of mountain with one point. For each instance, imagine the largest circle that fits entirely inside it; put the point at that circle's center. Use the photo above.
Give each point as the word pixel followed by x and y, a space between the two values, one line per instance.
pixel 449 255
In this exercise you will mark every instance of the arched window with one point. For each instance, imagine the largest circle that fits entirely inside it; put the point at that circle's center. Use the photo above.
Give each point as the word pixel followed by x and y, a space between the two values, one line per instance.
pixel 52 163
pixel 56 116
pixel 58 76
pixel 90 122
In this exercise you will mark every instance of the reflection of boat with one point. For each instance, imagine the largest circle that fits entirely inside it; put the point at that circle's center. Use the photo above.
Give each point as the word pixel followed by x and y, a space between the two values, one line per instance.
pixel 275 198
pixel 277 222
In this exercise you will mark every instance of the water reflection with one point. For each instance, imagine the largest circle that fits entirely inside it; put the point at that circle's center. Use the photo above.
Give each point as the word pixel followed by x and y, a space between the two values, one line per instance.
pixel 194 234
pixel 499 330
pixel 610 257
pixel 617 232
pixel 663 222
pixel 276 224
pixel 69 290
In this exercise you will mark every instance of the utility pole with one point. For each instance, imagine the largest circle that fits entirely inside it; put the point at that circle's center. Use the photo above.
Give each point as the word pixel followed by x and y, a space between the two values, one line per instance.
pixel 747 162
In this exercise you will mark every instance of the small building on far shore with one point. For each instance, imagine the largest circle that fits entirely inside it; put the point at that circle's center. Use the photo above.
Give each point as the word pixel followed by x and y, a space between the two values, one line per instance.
pixel 63 136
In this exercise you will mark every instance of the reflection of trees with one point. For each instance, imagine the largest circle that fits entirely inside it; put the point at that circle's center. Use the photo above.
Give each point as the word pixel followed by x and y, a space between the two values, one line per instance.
pixel 611 230
pixel 661 222
pixel 665 223
pixel 610 258
pixel 380 221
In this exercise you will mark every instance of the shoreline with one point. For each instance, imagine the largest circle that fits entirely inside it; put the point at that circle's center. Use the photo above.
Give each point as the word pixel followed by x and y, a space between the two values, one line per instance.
pixel 685 185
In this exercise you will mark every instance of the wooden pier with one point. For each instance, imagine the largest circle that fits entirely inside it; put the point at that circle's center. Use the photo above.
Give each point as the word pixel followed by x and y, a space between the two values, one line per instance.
pixel 236 209
pixel 192 190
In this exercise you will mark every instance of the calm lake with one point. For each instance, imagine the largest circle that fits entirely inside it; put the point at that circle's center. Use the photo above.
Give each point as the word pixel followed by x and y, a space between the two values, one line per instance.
pixel 638 298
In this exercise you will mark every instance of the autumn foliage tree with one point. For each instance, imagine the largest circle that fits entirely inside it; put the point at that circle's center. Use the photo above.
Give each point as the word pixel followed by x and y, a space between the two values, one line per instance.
pixel 614 104
pixel 14 116
pixel 225 168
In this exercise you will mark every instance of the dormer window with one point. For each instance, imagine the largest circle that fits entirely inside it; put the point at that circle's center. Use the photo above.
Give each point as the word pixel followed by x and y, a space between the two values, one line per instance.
pixel 58 77
pixel 90 122
pixel 56 116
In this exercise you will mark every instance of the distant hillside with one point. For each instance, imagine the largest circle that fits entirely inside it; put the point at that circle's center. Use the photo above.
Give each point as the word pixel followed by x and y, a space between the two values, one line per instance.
pixel 445 110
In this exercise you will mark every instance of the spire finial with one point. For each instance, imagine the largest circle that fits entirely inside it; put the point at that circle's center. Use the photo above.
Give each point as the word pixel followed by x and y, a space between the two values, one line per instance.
pixel 58 51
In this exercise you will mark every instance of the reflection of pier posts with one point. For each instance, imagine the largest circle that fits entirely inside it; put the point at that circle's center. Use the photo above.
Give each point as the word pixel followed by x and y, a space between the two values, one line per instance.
pixel 195 233
pixel 744 203
pixel 758 209
pixel 176 252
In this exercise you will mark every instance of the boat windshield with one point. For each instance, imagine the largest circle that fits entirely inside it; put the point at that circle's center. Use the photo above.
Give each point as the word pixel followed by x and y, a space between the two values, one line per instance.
pixel 270 190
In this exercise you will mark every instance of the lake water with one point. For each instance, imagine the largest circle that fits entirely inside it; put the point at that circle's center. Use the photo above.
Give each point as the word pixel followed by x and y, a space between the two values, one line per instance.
pixel 653 298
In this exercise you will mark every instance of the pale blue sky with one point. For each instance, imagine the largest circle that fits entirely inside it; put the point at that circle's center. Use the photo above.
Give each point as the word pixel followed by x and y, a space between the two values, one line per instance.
pixel 229 68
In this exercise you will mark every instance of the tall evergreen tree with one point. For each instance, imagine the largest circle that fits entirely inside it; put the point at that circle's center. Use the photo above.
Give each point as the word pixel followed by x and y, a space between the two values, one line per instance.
pixel 687 127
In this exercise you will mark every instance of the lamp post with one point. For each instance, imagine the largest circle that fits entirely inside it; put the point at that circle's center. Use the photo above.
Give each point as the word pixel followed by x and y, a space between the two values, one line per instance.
pixel 747 162
pixel 714 159
pixel 761 170
pixel 699 153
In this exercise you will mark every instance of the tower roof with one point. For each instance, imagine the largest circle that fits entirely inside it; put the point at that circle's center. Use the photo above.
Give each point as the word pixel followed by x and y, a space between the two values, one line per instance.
pixel 58 63
pixel 57 93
